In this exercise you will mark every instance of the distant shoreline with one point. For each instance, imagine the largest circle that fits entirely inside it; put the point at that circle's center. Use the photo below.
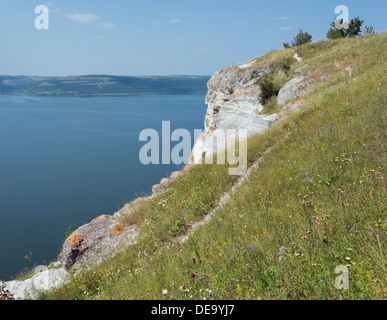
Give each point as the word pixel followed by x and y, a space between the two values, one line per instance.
pixel 102 85
pixel 102 95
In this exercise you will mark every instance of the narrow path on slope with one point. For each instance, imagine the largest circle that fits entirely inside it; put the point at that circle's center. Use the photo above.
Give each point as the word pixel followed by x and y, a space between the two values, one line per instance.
pixel 226 197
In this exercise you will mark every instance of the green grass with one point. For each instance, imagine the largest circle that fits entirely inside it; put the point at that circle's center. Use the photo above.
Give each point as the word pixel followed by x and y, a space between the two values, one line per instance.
pixel 317 198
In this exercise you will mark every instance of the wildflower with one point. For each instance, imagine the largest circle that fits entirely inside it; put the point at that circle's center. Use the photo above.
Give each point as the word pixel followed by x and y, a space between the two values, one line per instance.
pixel 193 259
pixel 314 264
pixel 164 292
pixel 193 275
pixel 348 258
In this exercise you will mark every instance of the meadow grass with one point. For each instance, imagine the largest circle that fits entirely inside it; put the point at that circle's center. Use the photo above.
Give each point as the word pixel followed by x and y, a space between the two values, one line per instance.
pixel 316 201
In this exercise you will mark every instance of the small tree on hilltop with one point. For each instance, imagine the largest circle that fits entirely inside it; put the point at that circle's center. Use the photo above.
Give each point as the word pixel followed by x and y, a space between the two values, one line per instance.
pixel 301 38
pixel 354 29
pixel 369 31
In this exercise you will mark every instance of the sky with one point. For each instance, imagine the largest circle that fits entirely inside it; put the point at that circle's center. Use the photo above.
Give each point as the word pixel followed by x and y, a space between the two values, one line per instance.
pixel 160 37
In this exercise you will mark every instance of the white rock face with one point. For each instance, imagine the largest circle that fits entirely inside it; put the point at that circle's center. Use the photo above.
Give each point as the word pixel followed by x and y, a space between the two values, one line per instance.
pixel 40 282
pixel 233 101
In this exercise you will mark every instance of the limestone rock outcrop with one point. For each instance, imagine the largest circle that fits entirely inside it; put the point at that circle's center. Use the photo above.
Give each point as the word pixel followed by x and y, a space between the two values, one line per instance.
pixel 42 281
pixel 233 101
pixel 93 242
pixel 297 87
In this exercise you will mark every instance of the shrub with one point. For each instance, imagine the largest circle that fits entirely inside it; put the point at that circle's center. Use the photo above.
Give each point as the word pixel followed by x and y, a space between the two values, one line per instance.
pixel 369 31
pixel 301 38
pixel 268 90
pixel 354 29
pixel 254 74
pixel 286 65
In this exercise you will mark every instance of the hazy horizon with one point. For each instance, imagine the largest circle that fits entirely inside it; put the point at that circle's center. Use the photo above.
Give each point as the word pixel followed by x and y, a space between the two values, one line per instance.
pixel 105 74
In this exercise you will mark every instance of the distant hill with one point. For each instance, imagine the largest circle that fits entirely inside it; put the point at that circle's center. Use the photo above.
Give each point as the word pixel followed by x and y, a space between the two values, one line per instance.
pixel 102 85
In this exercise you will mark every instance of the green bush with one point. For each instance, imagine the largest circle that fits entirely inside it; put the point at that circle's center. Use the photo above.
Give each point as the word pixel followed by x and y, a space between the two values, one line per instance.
pixel 354 29
pixel 369 31
pixel 286 65
pixel 301 38
pixel 268 90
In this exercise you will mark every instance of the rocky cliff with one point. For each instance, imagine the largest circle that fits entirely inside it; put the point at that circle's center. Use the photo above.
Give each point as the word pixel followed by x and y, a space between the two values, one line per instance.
pixel 234 102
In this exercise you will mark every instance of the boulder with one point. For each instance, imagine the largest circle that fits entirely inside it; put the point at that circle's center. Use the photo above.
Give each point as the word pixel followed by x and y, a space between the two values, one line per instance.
pixel 297 87
pixel 302 69
pixel 92 243
pixel 41 282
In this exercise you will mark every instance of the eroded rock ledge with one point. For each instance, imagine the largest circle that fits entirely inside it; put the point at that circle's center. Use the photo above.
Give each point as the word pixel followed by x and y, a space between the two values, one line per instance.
pixel 92 243
pixel 233 101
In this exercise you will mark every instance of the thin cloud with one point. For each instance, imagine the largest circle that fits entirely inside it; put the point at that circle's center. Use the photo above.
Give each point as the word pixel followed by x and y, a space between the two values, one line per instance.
pixel 283 18
pixel 202 50
pixel 105 25
pixel 173 21
pixel 284 28
pixel 82 17
pixel 51 8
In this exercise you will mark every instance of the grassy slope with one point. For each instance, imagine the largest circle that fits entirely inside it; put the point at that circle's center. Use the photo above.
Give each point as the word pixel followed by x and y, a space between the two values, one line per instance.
pixel 316 199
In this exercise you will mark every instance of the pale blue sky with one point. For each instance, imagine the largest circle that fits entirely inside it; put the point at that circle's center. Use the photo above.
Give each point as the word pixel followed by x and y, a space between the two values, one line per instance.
pixel 160 37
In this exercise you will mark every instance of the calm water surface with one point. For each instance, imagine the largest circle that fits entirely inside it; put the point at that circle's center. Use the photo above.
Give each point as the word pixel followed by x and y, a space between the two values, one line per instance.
pixel 64 161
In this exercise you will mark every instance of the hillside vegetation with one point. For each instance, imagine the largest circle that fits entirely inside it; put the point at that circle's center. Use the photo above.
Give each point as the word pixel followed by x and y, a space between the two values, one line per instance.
pixel 317 200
